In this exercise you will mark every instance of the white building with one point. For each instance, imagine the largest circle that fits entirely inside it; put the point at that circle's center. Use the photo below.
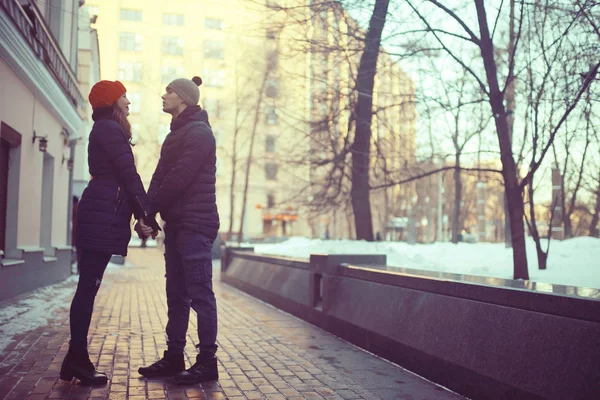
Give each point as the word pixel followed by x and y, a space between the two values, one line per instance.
pixel 88 72
pixel 41 109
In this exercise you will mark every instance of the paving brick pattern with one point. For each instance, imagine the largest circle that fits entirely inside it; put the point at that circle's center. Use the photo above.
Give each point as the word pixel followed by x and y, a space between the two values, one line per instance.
pixel 263 352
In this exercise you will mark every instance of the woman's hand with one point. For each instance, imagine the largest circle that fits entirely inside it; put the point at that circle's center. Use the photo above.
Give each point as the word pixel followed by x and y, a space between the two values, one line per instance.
pixel 144 230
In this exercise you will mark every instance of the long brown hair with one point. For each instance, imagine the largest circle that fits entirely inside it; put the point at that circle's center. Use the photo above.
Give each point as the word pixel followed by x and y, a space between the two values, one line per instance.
pixel 121 118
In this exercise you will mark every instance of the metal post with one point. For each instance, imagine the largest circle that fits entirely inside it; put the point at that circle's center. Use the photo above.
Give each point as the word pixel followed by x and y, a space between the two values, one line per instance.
pixel 481 222
pixel 556 224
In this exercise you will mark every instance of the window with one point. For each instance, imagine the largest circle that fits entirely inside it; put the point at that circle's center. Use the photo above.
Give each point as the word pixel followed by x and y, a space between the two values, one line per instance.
pixel 163 131
pixel 270 200
pixel 323 85
pixel 173 19
pixel 212 107
pixel 214 49
pixel 272 87
pixel 271 171
pixel 172 45
pixel 272 59
pixel 136 102
pixel 213 78
pixel 169 74
pixel 131 15
pixel 130 41
pixel 131 72
pixel 213 23
pixel 271 33
pixel 272 115
pixel 270 144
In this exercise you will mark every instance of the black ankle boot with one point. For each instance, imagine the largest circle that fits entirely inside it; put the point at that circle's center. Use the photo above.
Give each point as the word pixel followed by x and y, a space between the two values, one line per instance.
pixel 77 364
pixel 169 365
pixel 204 370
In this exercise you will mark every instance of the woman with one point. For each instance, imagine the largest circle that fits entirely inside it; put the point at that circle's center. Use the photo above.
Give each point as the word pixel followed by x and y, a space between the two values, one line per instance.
pixel 103 217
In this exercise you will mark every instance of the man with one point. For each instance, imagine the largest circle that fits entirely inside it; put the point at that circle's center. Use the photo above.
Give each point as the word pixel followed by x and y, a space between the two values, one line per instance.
pixel 183 191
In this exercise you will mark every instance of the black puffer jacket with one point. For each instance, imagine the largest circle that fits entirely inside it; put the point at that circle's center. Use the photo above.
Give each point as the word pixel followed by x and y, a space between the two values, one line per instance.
pixel 183 185
pixel 113 194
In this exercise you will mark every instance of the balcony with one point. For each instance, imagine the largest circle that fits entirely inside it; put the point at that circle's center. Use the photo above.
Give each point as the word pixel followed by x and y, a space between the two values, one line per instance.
pixel 28 20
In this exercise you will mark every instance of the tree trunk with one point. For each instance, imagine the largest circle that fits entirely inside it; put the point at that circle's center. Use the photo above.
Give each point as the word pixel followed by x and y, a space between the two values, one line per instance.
pixel 541 256
pixel 573 201
pixel 232 189
pixel 457 200
pixel 250 152
pixel 568 226
pixel 509 170
pixel 234 163
pixel 364 115
pixel 510 105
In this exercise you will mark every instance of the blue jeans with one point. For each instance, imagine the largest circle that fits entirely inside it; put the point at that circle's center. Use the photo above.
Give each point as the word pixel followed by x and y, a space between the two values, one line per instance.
pixel 189 284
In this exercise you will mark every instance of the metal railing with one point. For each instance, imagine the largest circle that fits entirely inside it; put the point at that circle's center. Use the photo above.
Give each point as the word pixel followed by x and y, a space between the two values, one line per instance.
pixel 29 21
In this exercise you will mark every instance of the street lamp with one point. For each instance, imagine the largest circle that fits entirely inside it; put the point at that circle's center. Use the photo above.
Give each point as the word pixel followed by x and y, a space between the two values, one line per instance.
pixel 43 143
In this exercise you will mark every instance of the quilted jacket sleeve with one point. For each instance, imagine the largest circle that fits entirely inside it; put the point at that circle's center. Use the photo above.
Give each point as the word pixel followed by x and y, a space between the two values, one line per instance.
pixel 112 140
pixel 199 143
pixel 155 183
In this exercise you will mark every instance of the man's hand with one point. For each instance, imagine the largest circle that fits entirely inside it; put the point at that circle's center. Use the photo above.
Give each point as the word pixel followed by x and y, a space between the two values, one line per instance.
pixel 144 230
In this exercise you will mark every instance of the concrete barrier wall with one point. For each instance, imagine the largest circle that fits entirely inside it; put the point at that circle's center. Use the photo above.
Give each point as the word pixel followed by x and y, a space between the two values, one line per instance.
pixel 485 342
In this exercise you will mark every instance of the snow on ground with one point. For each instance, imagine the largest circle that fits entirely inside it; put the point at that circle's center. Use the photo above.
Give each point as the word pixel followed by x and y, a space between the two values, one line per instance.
pixel 571 262
pixel 35 309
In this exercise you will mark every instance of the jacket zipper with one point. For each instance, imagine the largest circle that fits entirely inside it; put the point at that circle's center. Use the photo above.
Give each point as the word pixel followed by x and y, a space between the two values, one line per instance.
pixel 117 199
pixel 141 206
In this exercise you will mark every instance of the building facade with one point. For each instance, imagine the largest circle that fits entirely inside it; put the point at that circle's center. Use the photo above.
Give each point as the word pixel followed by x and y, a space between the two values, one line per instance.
pixel 263 90
pixel 147 44
pixel 88 73
pixel 41 110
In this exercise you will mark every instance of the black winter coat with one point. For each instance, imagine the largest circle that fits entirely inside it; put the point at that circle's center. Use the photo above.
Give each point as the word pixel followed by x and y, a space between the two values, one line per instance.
pixel 114 192
pixel 183 185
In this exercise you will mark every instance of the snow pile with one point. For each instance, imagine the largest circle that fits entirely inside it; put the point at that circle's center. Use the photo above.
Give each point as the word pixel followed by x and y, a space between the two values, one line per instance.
pixel 571 262
pixel 36 309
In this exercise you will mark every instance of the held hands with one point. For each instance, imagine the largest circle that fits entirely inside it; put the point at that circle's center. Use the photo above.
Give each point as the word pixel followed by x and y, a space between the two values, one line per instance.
pixel 145 231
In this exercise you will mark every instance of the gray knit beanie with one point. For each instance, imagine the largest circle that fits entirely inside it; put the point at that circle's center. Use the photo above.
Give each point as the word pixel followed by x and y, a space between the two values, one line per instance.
pixel 187 89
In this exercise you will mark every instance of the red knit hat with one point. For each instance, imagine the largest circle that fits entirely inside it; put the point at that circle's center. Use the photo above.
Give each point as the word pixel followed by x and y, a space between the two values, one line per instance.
pixel 105 93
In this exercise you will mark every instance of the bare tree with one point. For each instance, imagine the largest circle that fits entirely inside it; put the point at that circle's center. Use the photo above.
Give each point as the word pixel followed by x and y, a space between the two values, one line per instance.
pixel 458 101
pixel 364 115
pixel 495 93
pixel 242 104
pixel 258 108
pixel 341 161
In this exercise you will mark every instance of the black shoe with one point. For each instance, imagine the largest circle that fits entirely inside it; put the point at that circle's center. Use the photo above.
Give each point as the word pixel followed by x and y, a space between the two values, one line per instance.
pixel 171 364
pixel 77 364
pixel 204 370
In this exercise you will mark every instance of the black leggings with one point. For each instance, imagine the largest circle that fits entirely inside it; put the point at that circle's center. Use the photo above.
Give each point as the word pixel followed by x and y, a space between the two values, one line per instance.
pixel 91 269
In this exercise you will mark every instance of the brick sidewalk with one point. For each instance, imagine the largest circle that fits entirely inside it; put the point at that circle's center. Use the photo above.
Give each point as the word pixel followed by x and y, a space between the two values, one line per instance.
pixel 263 353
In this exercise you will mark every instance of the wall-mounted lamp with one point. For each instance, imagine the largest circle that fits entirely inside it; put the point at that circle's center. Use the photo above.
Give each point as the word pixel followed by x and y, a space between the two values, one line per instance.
pixel 43 142
pixel 69 162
